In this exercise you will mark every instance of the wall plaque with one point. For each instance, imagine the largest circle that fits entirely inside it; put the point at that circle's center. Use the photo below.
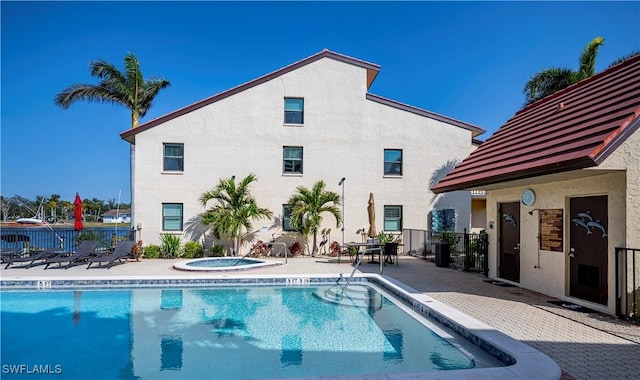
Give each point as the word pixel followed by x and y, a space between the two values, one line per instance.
pixel 551 230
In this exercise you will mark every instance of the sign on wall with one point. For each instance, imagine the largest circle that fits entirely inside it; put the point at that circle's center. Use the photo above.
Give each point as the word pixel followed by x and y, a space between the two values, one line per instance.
pixel 551 230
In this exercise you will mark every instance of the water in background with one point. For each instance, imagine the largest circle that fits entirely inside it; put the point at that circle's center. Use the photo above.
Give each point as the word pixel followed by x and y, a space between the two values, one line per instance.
pixel 66 238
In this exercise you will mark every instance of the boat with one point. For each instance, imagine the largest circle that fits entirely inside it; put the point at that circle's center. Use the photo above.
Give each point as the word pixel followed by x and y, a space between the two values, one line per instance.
pixel 30 221
pixel 35 220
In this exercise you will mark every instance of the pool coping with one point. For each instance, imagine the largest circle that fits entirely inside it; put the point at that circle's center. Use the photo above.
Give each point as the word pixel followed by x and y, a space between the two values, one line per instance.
pixel 521 360
pixel 257 263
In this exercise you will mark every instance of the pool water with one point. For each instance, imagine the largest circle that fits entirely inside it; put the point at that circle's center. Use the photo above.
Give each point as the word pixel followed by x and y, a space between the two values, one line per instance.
pixel 212 264
pixel 223 262
pixel 218 333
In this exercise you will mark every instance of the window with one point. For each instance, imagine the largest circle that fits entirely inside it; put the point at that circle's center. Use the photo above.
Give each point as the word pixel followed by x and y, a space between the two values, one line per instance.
pixel 286 219
pixel 292 159
pixel 293 110
pixel 393 162
pixel 443 220
pixel 172 216
pixel 392 218
pixel 173 158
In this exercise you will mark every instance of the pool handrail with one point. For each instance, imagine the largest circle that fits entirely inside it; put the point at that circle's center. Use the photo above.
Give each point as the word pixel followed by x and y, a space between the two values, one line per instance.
pixel 355 268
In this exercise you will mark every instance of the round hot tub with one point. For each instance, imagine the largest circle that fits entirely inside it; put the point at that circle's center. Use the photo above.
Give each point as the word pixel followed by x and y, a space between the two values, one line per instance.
pixel 216 264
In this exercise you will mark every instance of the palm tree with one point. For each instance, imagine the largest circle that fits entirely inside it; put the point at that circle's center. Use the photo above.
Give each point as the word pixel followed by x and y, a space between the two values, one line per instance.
pixel 307 207
pixel 127 88
pixel 549 81
pixel 54 199
pixel 66 206
pixel 231 216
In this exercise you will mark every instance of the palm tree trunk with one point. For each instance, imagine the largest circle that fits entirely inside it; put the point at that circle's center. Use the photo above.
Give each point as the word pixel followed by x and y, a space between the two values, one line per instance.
pixel 315 239
pixel 132 182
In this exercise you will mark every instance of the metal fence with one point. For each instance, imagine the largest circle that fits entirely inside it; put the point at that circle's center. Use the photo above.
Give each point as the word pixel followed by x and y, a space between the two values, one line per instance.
pixel 628 283
pixel 463 251
pixel 43 237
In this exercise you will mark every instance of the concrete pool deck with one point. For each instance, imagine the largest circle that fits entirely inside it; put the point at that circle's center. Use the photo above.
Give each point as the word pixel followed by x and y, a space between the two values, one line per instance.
pixel 585 345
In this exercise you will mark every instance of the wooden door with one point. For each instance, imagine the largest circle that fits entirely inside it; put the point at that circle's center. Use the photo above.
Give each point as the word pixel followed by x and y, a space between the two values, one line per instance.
pixel 509 266
pixel 588 248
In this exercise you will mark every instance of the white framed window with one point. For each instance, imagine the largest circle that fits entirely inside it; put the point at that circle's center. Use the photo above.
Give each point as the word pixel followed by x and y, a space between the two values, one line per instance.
pixel 172 216
pixel 393 162
pixel 392 218
pixel 293 110
pixel 292 160
pixel 286 219
pixel 173 157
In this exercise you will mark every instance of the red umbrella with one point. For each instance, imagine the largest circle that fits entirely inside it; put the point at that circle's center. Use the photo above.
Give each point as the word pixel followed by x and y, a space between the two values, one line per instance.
pixel 77 213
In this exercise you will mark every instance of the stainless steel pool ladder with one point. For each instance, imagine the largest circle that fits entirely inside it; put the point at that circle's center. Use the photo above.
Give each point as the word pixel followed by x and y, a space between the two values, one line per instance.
pixel 355 268
pixel 243 257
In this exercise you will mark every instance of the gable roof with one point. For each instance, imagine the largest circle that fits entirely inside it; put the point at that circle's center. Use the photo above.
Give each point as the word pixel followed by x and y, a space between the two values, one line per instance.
pixel 372 72
pixel 575 128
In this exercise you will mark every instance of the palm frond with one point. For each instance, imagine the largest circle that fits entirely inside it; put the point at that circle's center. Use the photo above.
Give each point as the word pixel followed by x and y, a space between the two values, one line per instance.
pixel 624 58
pixel 128 88
pixel 89 93
pixel 588 58
pixel 547 82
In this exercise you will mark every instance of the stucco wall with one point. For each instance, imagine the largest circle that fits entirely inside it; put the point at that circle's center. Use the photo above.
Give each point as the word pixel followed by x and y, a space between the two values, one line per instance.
pixel 627 157
pixel 547 271
pixel 344 135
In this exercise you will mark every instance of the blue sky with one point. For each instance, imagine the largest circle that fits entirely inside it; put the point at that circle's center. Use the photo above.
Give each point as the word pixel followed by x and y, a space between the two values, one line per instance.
pixel 466 60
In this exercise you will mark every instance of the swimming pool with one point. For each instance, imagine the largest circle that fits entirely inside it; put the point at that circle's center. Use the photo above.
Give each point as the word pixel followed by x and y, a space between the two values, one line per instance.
pixel 237 331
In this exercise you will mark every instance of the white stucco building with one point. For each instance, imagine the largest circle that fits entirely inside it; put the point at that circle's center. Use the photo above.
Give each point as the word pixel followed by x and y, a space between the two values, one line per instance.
pixel 312 120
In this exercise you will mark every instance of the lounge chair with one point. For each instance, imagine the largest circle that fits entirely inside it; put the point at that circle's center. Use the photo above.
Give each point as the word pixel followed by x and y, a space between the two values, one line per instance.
pixel 122 251
pixel 7 255
pixel 31 259
pixel 86 249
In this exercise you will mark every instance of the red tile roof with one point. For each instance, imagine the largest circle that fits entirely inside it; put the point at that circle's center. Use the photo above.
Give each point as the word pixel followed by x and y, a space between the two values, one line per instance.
pixel 372 72
pixel 575 128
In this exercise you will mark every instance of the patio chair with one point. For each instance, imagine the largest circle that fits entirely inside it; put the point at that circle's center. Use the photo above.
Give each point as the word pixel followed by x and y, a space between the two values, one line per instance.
pixel 86 249
pixel 391 253
pixel 122 251
pixel 7 255
pixel 31 259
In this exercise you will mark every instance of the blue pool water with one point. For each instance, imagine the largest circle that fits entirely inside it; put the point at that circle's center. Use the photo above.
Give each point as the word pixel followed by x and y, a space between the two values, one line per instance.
pixel 222 262
pixel 215 333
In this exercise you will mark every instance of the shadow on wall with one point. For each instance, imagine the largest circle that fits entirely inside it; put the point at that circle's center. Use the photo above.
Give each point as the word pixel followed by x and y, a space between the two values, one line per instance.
pixel 457 201
pixel 196 231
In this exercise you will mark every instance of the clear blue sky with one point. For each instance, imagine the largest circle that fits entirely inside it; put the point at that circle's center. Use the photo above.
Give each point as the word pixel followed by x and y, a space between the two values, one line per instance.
pixel 466 60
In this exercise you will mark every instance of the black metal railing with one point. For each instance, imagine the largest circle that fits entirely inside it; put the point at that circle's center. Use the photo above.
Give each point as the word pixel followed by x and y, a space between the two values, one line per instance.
pixel 628 283
pixel 463 251
pixel 44 237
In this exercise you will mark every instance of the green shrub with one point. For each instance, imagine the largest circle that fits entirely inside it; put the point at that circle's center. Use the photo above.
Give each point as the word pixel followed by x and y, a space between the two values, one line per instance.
pixel 193 249
pixel 450 237
pixel 295 248
pixel 170 248
pixel 152 251
pixel 217 250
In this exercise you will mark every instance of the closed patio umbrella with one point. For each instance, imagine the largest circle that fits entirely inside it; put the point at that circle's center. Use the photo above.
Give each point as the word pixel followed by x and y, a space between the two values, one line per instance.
pixel 77 213
pixel 371 210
